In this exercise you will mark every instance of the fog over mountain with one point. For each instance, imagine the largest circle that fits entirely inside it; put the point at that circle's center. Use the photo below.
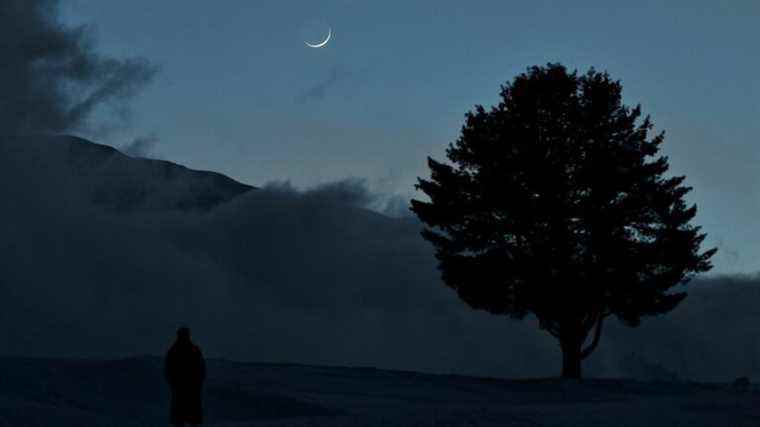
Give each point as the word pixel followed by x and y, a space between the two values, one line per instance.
pixel 105 254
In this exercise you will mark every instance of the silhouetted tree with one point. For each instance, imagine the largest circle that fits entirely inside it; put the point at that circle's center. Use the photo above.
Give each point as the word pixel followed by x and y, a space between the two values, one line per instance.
pixel 551 208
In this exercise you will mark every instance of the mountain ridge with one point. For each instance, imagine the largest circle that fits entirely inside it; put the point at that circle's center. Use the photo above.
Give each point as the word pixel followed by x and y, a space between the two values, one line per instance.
pixel 115 181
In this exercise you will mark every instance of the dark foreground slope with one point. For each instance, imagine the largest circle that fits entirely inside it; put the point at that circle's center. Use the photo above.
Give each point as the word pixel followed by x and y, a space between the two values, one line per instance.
pixel 130 392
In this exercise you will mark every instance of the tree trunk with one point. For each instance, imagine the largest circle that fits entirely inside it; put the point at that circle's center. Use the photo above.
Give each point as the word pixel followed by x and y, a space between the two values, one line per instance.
pixel 571 360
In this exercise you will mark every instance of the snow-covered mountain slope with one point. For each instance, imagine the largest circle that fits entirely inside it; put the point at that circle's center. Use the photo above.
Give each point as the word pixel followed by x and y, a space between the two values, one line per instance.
pixel 110 179
pixel 131 392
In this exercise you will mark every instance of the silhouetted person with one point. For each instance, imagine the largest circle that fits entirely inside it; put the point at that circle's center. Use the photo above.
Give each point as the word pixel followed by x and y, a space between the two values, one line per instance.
pixel 185 371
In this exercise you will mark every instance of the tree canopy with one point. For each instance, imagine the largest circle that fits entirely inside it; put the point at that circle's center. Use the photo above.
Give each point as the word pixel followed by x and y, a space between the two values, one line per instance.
pixel 555 204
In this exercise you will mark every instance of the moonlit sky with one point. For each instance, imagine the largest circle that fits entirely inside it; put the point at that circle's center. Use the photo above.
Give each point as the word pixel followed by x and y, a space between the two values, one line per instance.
pixel 238 91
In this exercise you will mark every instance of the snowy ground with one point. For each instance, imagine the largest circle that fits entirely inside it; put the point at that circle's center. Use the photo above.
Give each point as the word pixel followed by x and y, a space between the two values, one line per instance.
pixel 130 392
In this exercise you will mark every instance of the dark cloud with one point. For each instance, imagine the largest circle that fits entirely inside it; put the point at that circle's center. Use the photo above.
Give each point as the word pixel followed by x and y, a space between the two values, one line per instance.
pixel 320 90
pixel 51 77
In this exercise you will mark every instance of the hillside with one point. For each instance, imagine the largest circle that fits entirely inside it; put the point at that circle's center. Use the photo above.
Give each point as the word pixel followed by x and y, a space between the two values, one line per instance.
pixel 110 179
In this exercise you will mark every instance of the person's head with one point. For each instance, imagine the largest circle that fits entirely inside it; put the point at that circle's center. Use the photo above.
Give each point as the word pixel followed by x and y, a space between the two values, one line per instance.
pixel 183 334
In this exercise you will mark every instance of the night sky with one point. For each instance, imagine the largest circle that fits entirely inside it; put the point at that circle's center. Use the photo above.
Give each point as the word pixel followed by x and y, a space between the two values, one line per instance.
pixel 238 92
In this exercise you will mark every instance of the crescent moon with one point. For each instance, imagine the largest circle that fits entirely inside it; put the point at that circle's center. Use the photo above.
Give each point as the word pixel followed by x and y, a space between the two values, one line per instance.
pixel 323 43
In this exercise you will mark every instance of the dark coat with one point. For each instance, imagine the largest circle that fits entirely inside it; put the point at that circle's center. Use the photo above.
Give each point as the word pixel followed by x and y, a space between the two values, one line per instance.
pixel 185 371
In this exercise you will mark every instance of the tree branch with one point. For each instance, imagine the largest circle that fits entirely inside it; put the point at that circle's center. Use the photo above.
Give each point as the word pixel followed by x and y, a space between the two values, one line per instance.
pixel 589 321
pixel 597 334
